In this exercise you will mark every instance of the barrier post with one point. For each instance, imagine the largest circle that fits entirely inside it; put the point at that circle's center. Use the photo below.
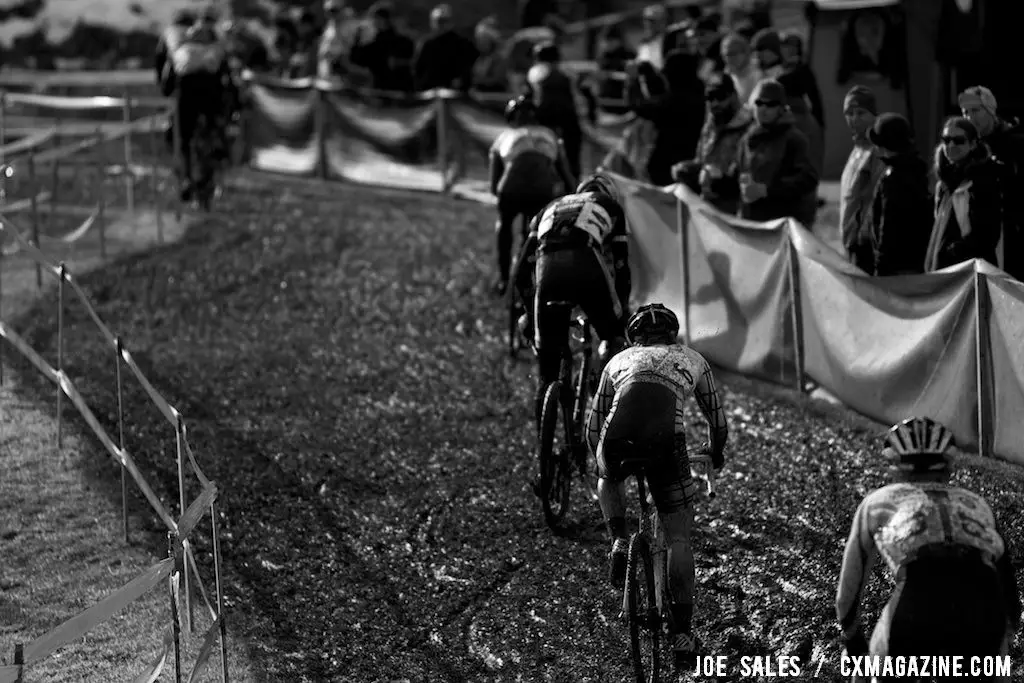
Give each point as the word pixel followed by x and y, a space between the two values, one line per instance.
pixel 183 502
pixel 62 272
pixel 983 363
pixel 154 146
pixel 34 213
pixel 797 314
pixel 220 592
pixel 682 221
pixel 19 661
pixel 442 139
pixel 119 348
pixel 129 171
pixel 172 552
pixel 101 170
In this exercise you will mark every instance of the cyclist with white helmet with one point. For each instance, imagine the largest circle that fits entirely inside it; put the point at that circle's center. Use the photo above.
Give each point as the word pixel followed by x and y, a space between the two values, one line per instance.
pixel 579 244
pixel 956 591
pixel 527 161
pixel 638 415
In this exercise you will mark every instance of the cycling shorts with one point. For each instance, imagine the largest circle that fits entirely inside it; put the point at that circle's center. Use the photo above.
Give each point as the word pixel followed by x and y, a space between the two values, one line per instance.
pixel 574 271
pixel 511 205
pixel 949 602
pixel 530 174
pixel 640 431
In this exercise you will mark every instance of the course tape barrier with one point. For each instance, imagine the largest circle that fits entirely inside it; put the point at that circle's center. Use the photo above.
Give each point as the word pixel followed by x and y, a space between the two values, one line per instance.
pixel 181 566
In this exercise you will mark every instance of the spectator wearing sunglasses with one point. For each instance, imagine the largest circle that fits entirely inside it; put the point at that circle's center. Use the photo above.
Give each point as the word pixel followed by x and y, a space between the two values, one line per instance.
pixel 775 173
pixel 712 171
pixel 901 210
pixel 968 198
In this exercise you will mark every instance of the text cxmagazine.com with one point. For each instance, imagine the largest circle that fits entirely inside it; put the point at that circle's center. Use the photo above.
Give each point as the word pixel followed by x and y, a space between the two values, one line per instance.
pixel 710 667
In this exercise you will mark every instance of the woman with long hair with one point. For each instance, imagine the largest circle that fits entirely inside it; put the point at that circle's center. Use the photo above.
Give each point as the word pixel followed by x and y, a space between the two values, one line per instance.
pixel 968 199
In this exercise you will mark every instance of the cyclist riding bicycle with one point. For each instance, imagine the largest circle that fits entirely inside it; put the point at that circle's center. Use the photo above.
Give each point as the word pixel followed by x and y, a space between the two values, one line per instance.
pixel 201 77
pixel 577 242
pixel 638 414
pixel 956 591
pixel 526 163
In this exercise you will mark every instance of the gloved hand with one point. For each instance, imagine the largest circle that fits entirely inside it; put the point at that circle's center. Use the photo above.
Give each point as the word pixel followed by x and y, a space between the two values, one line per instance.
pixel 856 645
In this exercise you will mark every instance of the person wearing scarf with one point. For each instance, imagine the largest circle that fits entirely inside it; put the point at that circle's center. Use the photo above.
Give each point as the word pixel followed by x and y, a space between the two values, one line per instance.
pixel 900 211
pixel 860 176
pixel 739 65
pixel 968 199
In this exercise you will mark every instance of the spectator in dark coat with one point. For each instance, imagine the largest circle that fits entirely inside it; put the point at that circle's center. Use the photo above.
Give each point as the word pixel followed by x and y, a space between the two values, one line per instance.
pixel 775 173
pixel 612 57
pixel 384 52
pixel 490 71
pixel 712 171
pixel 1005 139
pixel 901 211
pixel 444 59
pixel 860 177
pixel 968 199
pixel 677 115
pixel 554 95
pixel 798 77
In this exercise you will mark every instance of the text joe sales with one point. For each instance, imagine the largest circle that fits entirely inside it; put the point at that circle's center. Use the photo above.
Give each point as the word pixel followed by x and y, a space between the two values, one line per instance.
pixel 779 667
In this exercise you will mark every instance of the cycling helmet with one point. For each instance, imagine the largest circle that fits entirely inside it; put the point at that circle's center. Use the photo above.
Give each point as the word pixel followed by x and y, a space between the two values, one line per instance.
pixel 599 183
pixel 920 444
pixel 652 321
pixel 519 108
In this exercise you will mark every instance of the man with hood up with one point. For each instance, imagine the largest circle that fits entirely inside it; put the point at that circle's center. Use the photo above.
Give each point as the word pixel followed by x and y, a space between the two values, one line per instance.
pixel 712 171
pixel 776 176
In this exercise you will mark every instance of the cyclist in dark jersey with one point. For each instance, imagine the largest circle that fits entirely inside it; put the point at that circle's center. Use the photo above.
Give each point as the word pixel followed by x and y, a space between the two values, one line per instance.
pixel 638 413
pixel 956 590
pixel 577 242
pixel 527 161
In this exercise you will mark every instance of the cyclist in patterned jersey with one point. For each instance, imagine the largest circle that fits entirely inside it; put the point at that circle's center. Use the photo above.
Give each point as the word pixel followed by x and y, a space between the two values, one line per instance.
pixel 576 242
pixel 638 414
pixel 527 161
pixel 956 592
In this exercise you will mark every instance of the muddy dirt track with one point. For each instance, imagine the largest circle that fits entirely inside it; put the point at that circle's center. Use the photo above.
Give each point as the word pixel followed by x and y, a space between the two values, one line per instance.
pixel 343 376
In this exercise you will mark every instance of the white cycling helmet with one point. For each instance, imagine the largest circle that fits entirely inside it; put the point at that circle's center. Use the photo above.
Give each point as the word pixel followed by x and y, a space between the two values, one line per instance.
pixel 920 444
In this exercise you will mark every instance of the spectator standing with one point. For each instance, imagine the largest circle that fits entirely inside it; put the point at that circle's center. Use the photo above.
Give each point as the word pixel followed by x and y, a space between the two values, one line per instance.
pixel 798 73
pixel 170 39
pixel 706 41
pixel 612 57
pixel 712 171
pixel 860 176
pixel 677 115
pixel 336 43
pixel 383 51
pixel 444 59
pixel 630 155
pixel 775 173
pixel 490 70
pixel 901 210
pixel 767 47
pixel 800 88
pixel 1005 139
pixel 968 198
pixel 651 47
pixel 739 65
pixel 554 95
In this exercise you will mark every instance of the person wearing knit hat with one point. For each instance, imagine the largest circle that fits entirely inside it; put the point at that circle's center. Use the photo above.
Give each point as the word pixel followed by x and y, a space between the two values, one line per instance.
pixel 777 178
pixel 860 177
pixel 490 70
pixel 1005 139
pixel 901 210
pixel 767 46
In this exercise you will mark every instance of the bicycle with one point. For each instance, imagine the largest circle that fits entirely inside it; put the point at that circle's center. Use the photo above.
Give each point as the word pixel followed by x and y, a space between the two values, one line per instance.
pixel 647 573
pixel 557 459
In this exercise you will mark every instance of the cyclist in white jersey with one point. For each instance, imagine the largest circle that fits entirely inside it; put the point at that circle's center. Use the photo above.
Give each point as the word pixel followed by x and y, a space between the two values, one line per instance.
pixel 527 161
pixel 638 414
pixel 956 591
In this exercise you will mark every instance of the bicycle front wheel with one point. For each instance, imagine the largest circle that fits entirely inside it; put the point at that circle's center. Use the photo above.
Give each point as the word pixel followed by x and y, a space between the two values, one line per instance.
pixel 642 611
pixel 553 457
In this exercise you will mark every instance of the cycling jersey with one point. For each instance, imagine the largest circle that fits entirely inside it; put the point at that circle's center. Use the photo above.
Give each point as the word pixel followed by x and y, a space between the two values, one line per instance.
pixel 193 56
pixel 586 215
pixel 639 412
pixel 525 164
pixel 935 539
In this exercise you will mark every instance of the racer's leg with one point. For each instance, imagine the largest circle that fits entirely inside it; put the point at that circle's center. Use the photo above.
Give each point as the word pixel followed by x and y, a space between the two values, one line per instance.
pixel 503 232
pixel 551 322
pixel 601 304
pixel 188 114
pixel 611 497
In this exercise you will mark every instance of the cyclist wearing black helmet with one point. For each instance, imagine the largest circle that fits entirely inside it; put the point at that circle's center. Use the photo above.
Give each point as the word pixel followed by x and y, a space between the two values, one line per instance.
pixel 638 414
pixel 527 161
pixel 577 242
pixel 956 591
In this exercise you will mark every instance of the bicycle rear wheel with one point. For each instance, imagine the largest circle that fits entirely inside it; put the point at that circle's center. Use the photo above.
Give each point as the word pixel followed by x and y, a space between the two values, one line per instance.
pixel 642 606
pixel 553 456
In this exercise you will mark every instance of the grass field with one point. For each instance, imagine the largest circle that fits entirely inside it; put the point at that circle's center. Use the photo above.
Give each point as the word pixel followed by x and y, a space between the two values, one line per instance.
pixel 342 372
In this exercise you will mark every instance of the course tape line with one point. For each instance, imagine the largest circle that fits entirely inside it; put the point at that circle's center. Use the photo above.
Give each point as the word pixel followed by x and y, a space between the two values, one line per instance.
pixel 101 133
pixel 151 673
pixel 22 204
pixel 194 512
pixel 78 233
pixel 204 652
pixel 79 625
pixel 191 560
pixel 27 143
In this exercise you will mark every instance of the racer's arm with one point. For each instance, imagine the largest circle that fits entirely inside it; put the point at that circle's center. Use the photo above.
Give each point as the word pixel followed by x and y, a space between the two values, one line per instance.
pixel 1009 578
pixel 524 271
pixel 710 405
pixel 599 413
pixel 497 169
pixel 858 558
pixel 564 170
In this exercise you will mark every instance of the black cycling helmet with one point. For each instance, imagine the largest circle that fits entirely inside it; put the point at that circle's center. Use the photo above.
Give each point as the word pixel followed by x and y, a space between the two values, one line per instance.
pixel 653 321
pixel 919 444
pixel 600 183
pixel 547 52
pixel 519 108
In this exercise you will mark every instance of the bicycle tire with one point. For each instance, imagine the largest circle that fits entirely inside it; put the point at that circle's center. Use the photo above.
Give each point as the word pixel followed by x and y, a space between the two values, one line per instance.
pixel 553 458
pixel 516 307
pixel 642 611
pixel 586 469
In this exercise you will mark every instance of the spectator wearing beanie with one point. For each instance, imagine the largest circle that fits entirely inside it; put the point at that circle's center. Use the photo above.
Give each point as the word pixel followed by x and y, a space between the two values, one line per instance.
pixel 801 92
pixel 775 173
pixel 767 47
pixel 712 171
pixel 860 176
pixel 901 207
